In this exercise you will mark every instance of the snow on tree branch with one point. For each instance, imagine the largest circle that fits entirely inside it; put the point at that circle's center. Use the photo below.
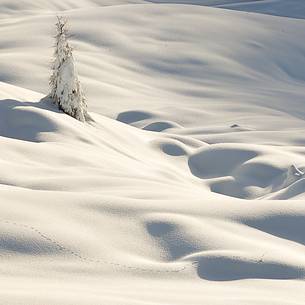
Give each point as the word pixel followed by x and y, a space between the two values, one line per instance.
pixel 66 90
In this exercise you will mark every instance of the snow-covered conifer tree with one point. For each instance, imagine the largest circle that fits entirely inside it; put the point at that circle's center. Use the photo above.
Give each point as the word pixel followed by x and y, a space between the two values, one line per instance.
pixel 66 89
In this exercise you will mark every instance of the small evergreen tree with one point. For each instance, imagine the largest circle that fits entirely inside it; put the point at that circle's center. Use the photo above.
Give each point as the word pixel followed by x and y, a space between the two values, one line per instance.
pixel 66 90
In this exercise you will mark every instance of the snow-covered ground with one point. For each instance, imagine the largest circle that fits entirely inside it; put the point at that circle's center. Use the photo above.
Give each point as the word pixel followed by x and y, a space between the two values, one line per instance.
pixel 188 187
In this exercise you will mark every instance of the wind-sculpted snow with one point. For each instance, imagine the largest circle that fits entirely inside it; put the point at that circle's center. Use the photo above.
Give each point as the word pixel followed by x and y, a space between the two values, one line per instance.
pixel 187 185
pixel 284 8
pixel 291 8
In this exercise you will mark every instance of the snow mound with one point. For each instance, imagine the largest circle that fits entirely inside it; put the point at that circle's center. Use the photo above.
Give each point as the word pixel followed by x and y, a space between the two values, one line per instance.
pixel 195 109
pixel 229 268
pixel 129 117
pixel 161 126
pixel 242 172
pixel 23 120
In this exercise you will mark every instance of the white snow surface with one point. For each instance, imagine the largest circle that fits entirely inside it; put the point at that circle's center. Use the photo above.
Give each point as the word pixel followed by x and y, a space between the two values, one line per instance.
pixel 187 187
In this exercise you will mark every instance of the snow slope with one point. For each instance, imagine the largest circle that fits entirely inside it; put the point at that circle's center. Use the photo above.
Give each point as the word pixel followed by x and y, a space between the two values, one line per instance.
pixel 286 8
pixel 187 188
pixel 291 8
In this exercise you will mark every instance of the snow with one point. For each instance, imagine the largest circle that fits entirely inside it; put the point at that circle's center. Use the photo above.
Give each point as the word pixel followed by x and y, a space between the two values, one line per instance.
pixel 65 88
pixel 187 187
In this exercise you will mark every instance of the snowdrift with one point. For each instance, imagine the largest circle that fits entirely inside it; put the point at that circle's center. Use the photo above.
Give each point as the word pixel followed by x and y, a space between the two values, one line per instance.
pixel 187 186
